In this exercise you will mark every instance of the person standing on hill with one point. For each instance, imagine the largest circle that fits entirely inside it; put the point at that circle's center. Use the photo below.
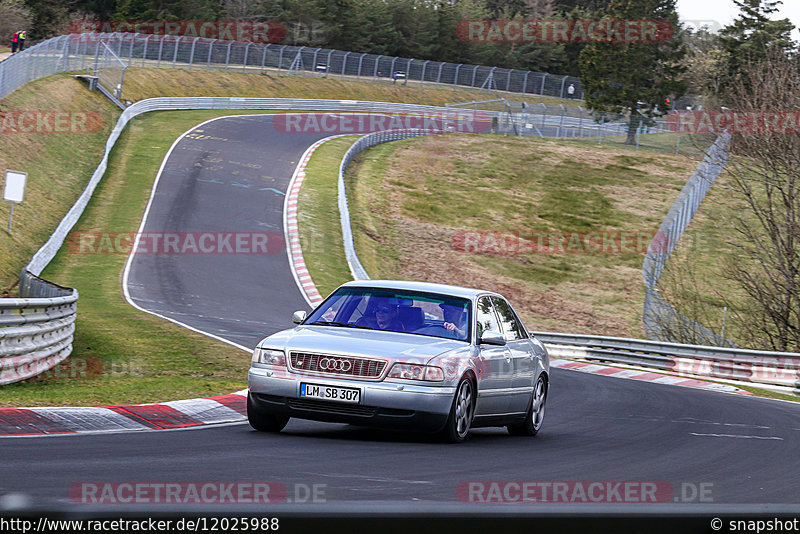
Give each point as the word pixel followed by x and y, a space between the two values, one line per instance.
pixel 14 42
pixel 21 38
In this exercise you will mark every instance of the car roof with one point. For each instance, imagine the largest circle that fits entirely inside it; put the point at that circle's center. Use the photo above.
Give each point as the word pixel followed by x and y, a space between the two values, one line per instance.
pixel 425 287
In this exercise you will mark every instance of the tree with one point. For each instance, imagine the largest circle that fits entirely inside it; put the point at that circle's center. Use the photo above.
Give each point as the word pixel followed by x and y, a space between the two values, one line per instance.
pixel 616 76
pixel 765 177
pixel 749 38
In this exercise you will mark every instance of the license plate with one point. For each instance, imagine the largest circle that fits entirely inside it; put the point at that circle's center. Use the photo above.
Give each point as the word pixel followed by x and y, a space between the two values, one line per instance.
pixel 332 393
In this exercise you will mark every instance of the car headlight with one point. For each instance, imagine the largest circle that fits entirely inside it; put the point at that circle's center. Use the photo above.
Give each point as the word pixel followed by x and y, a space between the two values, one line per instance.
pixel 271 357
pixel 413 371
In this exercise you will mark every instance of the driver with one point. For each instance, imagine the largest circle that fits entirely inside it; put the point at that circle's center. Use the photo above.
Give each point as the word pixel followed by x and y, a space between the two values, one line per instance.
pixel 454 320
pixel 385 315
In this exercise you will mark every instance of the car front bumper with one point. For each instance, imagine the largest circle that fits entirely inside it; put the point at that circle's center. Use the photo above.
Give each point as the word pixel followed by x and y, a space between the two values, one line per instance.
pixel 383 404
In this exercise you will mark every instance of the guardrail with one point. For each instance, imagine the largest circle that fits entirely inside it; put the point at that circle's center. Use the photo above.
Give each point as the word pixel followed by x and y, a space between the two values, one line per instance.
pixel 36 329
pixel 356 269
pixel 778 371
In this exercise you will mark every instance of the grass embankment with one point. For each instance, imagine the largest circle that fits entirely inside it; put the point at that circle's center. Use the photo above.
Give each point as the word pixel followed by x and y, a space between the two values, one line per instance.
pixel 121 355
pixel 58 163
pixel 318 217
pixel 412 202
pixel 143 83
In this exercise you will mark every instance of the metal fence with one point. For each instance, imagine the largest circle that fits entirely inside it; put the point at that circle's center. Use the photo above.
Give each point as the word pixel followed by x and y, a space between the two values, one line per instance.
pixel 36 330
pixel 356 269
pixel 660 320
pixel 81 51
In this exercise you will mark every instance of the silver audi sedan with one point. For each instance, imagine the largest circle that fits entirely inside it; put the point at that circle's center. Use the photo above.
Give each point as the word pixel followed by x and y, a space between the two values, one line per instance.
pixel 406 356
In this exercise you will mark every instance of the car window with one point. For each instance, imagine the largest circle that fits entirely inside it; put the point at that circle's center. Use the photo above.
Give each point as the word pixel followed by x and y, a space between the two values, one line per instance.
pixel 512 327
pixel 404 311
pixel 486 318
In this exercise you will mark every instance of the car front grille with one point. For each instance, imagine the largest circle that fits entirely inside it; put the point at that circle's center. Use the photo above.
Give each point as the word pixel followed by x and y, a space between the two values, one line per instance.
pixel 344 366
pixel 331 407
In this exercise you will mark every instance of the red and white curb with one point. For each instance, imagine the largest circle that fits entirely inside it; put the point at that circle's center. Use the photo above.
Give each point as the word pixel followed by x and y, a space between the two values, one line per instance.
pixel 295 252
pixel 646 376
pixel 127 417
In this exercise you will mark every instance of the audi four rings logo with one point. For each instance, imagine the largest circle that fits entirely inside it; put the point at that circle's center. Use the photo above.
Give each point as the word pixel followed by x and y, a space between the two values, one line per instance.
pixel 330 364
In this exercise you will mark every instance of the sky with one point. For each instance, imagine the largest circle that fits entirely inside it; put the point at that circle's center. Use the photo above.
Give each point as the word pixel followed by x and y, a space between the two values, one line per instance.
pixel 719 13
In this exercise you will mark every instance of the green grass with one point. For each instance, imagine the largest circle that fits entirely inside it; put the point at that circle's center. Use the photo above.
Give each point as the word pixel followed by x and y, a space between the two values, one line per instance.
pixel 144 358
pixel 411 200
pixel 318 217
pixel 59 164
pixel 150 82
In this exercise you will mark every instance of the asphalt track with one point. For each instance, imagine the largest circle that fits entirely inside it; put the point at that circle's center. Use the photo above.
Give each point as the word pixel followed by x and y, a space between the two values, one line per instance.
pixel 223 179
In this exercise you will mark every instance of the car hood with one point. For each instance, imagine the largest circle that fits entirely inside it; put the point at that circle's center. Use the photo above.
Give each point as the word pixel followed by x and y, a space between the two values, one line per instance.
pixel 365 343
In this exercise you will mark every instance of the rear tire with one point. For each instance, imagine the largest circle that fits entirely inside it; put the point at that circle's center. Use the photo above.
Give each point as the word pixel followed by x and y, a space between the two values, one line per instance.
pixel 264 422
pixel 461 413
pixel 535 415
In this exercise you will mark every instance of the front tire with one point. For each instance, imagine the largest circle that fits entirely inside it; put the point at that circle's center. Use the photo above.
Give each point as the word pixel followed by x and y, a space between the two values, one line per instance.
pixel 535 415
pixel 264 422
pixel 461 413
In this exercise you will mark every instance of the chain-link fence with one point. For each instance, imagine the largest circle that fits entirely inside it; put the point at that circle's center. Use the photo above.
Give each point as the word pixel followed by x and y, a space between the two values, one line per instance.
pixel 110 72
pixel 77 51
pixel 660 320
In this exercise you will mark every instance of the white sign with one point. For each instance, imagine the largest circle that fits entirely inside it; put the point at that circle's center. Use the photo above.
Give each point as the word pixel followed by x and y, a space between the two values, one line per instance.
pixel 14 189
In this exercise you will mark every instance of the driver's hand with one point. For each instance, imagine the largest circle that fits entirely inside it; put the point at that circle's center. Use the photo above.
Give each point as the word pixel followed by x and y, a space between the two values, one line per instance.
pixel 450 326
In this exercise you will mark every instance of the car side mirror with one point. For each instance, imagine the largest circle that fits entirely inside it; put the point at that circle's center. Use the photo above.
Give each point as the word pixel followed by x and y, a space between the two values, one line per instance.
pixel 298 317
pixel 490 337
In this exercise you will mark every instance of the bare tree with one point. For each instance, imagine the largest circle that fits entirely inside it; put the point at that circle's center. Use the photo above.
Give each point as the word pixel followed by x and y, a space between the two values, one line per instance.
pixel 765 176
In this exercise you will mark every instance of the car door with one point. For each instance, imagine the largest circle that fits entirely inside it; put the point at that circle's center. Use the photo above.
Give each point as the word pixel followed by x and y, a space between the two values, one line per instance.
pixel 495 386
pixel 522 355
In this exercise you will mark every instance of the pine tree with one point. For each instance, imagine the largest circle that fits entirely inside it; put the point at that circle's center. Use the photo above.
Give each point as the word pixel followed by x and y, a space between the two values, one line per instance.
pixel 616 76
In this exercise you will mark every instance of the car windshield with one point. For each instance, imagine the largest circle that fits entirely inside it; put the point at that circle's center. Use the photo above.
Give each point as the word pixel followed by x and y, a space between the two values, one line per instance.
pixel 411 312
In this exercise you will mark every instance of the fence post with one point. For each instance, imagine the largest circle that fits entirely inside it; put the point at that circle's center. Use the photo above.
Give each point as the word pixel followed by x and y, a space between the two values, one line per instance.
pixel 328 63
pixel 360 61
pixel 563 81
pixel 175 54
pixel 525 82
pixel 455 78
pixel 422 77
pixel 280 59
pixel 474 72
pixel 244 61
pixel 314 61
pixel 264 57
pixel 541 92
pixel 191 53
pixel 210 49
pixel 344 64
pixel 144 53
pixel 439 74
pixel 228 56
pixel 580 122
pixel 160 49
pixel 408 71
pixel 130 52
pixel 508 80
pixel 391 70
pixel 375 70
